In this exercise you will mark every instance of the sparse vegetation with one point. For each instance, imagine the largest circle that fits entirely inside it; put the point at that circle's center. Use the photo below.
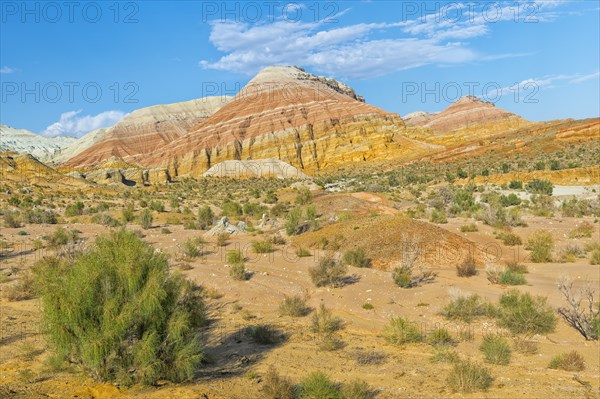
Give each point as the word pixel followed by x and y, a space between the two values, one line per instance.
pixel 467 268
pixel 294 306
pixel 468 307
pixel 263 334
pixel 357 257
pixel 440 337
pixel 146 219
pixel 317 385
pixel 400 331
pixel 275 386
pixel 541 244
pixel 262 247
pixel 585 229
pixel 571 361
pixel 468 377
pixel 329 272
pixel 324 322
pixel 496 349
pixel 522 313
pixel 508 238
pixel 469 228
pixel 411 272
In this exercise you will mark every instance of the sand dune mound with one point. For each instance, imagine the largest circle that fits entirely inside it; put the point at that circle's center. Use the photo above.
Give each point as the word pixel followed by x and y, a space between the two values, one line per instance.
pixel 266 168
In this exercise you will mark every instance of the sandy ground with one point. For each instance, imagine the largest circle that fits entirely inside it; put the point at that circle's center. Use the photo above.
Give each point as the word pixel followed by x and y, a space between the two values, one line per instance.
pixel 406 372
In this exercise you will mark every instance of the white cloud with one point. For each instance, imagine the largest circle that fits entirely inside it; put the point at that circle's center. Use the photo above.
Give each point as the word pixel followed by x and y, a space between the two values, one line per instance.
pixel 70 123
pixel 544 82
pixel 353 51
pixel 6 70
pixel 342 51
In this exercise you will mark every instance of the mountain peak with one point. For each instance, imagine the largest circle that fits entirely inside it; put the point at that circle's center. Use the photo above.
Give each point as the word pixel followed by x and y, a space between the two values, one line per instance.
pixel 278 76
pixel 470 100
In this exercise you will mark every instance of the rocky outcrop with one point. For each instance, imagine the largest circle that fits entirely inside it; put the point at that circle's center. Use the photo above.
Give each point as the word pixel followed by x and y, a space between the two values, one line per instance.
pixel 145 131
pixel 26 169
pixel 418 118
pixel 264 168
pixel 23 141
pixel 223 226
pixel 127 176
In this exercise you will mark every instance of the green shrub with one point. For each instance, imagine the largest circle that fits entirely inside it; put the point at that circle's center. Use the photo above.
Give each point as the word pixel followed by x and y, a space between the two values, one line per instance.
pixel 496 349
pixel 146 219
pixel 357 390
pixel 370 357
pixel 120 314
pixel 190 225
pixel 157 206
pixel 517 267
pixel 324 322
pixel 330 342
pixel 440 337
pixel 541 244
pixel 275 386
pixel 235 257
pixel 11 220
pixel 522 313
pixel 75 209
pixel 262 247
pixel 357 257
pixel 595 257
pixel 538 186
pixel 468 376
pixel 317 385
pixel 571 361
pixel 525 346
pixel 231 209
pixel 302 252
pixel 508 277
pixel 22 290
pixel 222 239
pixel 39 216
pixel 469 228
pixel 467 268
pixel 438 217
pixel 515 185
pixel 571 252
pixel 467 308
pixel 238 271
pixel 401 331
pixel 304 196
pixel 191 247
pixel 293 222
pixel 328 272
pixel 263 334
pixel 368 306
pixel 60 237
pixel 508 238
pixel 205 217
pixel 127 213
pixel 585 229
pixel 294 306
pixel 443 354
pixel 254 210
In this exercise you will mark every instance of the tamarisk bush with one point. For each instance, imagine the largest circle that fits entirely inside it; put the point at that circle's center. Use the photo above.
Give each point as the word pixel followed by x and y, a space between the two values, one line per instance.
pixel 118 313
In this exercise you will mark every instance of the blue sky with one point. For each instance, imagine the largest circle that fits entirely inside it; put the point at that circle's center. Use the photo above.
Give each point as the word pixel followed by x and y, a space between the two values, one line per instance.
pixel 70 70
